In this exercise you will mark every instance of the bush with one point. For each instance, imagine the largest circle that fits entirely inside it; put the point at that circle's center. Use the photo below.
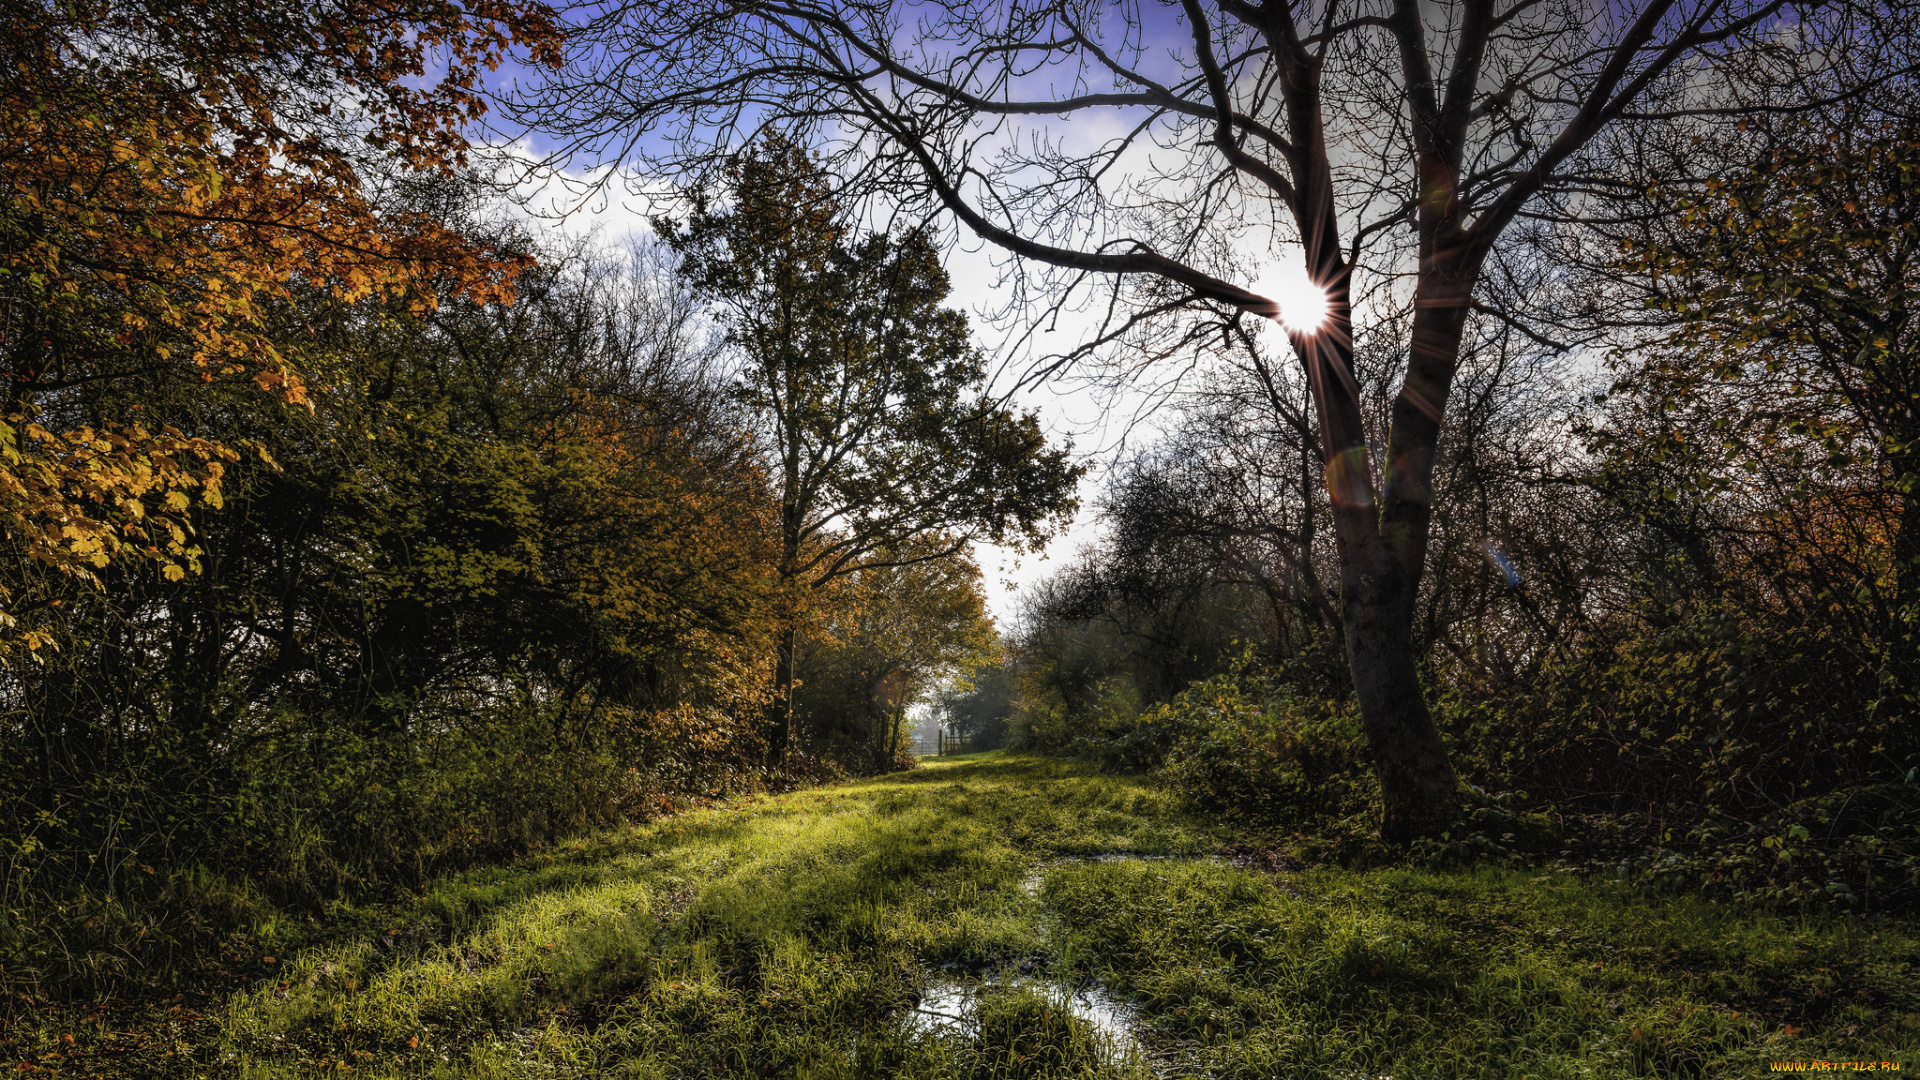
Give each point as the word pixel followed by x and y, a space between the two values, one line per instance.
pixel 170 864
pixel 1275 762
pixel 1685 715
pixel 1241 744
pixel 1042 723
pixel 1855 848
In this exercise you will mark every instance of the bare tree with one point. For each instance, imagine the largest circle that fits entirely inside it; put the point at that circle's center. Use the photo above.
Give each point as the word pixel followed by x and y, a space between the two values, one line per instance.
pixel 1147 148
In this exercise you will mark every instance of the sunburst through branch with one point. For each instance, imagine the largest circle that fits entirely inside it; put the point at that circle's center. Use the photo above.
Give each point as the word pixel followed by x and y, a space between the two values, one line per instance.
pixel 1303 304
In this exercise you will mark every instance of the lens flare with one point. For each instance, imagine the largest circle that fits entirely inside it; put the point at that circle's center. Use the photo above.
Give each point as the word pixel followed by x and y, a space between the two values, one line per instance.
pixel 1303 302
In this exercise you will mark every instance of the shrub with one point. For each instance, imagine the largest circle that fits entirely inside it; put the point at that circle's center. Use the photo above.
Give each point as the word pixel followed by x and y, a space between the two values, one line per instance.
pixel 1243 746
pixel 1856 848
pixel 169 863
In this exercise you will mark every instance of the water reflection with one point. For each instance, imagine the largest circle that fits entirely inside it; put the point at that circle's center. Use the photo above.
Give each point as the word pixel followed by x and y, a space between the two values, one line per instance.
pixel 950 1006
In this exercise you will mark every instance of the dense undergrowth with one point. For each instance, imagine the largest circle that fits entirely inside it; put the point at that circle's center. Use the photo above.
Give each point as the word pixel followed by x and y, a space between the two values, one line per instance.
pixel 796 935
pixel 1295 767
pixel 1666 610
pixel 285 852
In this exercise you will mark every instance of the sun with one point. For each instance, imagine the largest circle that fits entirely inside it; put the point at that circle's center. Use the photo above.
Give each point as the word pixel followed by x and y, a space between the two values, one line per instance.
pixel 1303 302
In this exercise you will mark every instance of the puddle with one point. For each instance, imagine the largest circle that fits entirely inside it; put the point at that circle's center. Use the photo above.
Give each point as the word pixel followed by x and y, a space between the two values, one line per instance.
pixel 949 1006
pixel 1111 1019
pixel 945 1008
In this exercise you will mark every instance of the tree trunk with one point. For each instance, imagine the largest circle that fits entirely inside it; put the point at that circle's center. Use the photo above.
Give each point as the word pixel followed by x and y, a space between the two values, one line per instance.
pixel 792 522
pixel 1417 783
pixel 1377 592
pixel 1381 534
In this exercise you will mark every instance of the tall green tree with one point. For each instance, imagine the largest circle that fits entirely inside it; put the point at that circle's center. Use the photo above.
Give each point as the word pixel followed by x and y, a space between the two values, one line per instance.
pixel 870 394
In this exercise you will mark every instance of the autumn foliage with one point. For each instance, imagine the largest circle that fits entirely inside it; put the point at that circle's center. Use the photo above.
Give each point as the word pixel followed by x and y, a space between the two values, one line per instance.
pixel 173 171
pixel 355 534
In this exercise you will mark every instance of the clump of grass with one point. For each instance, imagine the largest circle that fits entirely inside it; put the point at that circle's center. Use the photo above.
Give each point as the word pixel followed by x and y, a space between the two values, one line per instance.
pixel 1024 1033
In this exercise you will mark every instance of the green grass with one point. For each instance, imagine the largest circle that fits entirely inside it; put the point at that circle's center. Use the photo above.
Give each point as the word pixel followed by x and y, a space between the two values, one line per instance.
pixel 786 936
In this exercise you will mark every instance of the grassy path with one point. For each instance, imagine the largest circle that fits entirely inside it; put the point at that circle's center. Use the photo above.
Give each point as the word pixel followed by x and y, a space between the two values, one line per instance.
pixel 818 934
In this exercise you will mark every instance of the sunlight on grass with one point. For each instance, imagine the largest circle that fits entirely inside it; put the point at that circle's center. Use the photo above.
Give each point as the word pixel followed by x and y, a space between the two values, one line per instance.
pixel 790 937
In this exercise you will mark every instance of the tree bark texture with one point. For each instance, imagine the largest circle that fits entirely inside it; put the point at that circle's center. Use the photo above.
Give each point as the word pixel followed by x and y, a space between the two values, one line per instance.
pixel 1381 528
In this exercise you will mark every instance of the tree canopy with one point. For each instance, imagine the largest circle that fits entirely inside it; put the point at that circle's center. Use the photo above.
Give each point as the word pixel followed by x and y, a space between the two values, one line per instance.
pixel 172 174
